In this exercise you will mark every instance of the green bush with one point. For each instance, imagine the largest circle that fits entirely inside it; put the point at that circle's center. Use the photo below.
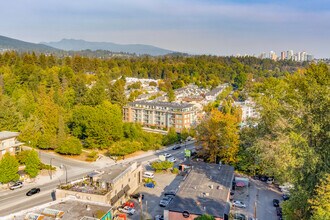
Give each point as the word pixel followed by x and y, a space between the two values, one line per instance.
pixel 175 170
pixel 92 156
pixel 149 180
pixel 43 166
pixel 161 165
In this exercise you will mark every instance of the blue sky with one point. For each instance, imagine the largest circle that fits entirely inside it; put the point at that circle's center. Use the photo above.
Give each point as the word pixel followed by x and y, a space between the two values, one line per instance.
pixel 220 27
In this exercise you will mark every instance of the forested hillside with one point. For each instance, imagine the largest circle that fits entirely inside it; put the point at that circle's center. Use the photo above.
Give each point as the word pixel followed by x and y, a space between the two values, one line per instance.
pixel 64 103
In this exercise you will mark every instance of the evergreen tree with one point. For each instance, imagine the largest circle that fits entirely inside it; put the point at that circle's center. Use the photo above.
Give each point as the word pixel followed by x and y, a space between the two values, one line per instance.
pixel 32 163
pixel 8 169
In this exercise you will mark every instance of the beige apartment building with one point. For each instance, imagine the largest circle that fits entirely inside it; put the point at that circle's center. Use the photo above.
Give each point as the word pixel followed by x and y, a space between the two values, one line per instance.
pixel 161 115
pixel 9 143
pixel 110 186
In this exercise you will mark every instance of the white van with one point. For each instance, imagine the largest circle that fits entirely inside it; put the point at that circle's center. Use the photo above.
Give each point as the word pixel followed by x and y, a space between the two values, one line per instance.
pixel 148 175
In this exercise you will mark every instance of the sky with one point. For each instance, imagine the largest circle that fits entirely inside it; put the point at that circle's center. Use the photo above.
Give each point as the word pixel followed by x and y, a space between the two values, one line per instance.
pixel 217 27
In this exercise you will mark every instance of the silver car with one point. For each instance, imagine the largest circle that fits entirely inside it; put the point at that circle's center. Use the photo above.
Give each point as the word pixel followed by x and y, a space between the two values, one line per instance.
pixel 239 204
pixel 165 201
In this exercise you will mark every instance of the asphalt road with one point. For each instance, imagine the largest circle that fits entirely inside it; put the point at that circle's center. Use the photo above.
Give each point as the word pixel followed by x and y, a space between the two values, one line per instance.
pixel 14 201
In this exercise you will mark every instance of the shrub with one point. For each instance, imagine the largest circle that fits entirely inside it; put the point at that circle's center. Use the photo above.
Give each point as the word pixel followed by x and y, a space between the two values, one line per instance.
pixel 43 166
pixel 175 170
pixel 92 156
pixel 161 165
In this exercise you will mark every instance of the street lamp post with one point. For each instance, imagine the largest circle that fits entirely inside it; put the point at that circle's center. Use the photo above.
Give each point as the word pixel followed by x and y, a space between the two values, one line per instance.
pixel 51 170
pixel 66 174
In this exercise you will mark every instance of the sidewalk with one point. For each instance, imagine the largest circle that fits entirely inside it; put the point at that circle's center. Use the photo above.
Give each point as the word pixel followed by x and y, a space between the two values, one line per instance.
pixel 42 178
pixel 105 161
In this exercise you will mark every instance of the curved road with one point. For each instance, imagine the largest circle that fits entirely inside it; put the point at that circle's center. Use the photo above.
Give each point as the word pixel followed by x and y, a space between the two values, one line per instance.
pixel 14 201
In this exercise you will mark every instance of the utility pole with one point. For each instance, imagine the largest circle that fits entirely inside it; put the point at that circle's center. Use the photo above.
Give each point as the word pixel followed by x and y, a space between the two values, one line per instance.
pixel 255 205
pixel 51 170
pixel 141 215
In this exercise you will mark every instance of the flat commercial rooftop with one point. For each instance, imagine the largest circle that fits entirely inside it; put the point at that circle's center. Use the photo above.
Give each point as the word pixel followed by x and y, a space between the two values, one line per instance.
pixel 205 190
pixel 70 209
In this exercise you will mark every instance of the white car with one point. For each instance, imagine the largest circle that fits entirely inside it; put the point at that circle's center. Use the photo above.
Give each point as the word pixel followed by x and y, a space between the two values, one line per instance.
pixel 167 155
pixel 171 159
pixel 127 210
pixel 17 185
pixel 239 204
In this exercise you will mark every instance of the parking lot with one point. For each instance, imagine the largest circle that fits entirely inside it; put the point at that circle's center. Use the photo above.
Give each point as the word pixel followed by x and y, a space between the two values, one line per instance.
pixel 152 196
pixel 258 197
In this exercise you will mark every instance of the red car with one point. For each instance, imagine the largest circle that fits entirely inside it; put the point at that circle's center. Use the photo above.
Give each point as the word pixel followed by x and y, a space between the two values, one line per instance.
pixel 129 204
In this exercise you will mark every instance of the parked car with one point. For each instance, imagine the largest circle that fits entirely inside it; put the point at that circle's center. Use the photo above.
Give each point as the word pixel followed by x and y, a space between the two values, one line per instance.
pixel 167 155
pixel 149 185
pixel 148 174
pixel 239 216
pixel 270 180
pixel 171 159
pixel 264 178
pixel 276 202
pixel 159 217
pixel 239 204
pixel 137 196
pixel 285 197
pixel 176 147
pixel 127 210
pixel 165 201
pixel 170 193
pixel 16 185
pixel 33 191
pixel 129 204
pixel 278 211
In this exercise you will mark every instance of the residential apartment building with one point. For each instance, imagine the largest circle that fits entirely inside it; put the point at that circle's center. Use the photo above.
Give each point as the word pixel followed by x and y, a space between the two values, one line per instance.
pixel 162 115
pixel 9 143
pixel 109 186
pixel 248 109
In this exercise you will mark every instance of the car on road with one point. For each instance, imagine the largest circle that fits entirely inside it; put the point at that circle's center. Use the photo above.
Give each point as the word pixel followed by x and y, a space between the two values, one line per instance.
pixel 170 193
pixel 176 147
pixel 239 216
pixel 16 185
pixel 165 201
pixel 127 210
pixel 33 191
pixel 137 196
pixel 159 217
pixel 171 159
pixel 239 204
pixel 276 202
pixel 167 155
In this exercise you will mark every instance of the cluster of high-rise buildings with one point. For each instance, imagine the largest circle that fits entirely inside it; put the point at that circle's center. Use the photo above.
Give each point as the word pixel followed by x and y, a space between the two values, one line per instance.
pixel 288 55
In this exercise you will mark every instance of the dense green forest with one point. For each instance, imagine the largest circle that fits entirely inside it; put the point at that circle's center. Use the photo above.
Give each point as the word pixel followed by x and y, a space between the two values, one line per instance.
pixel 69 103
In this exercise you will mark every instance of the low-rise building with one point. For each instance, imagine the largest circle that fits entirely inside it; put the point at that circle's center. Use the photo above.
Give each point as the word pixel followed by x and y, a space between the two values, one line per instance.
pixel 65 209
pixel 9 143
pixel 211 96
pixel 162 115
pixel 248 109
pixel 110 186
pixel 205 190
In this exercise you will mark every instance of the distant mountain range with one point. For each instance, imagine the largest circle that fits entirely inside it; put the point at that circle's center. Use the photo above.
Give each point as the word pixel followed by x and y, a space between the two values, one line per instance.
pixel 22 46
pixel 78 45
pixel 70 46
